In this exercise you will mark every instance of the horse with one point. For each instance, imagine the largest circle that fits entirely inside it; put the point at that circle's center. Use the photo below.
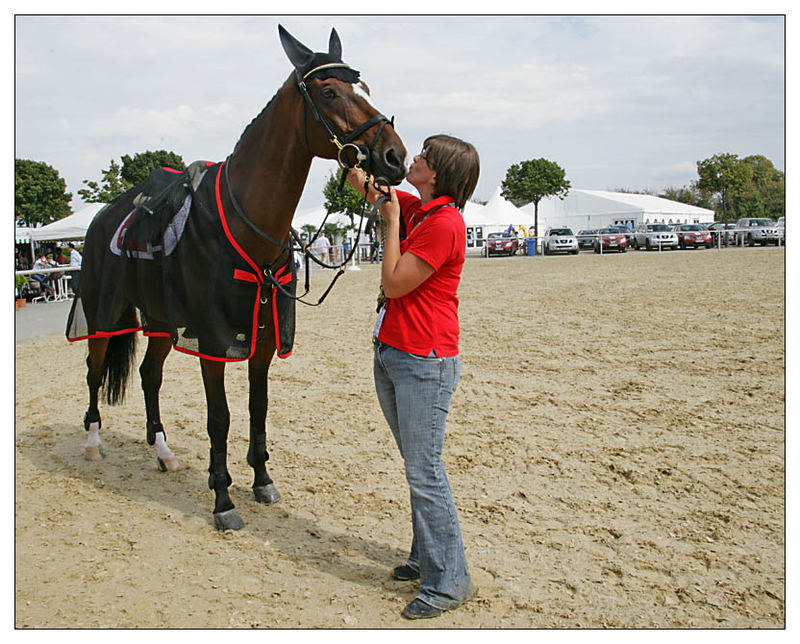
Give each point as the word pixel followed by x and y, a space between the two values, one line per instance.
pixel 321 110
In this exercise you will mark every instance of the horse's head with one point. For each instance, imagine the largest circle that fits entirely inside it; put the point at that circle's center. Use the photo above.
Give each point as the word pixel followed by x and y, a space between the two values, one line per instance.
pixel 342 123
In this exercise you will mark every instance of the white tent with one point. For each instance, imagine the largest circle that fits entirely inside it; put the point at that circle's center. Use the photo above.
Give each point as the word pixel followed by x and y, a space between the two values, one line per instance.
pixel 501 213
pixel 22 234
pixel 72 227
pixel 586 209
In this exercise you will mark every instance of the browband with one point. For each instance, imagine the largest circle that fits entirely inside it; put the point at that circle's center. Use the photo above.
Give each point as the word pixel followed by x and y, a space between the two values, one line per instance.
pixel 326 66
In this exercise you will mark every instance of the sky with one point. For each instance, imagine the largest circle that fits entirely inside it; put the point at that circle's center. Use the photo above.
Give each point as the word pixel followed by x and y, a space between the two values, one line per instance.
pixel 619 101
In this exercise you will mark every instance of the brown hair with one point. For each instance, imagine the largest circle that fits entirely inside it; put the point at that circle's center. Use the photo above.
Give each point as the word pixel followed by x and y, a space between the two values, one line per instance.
pixel 456 164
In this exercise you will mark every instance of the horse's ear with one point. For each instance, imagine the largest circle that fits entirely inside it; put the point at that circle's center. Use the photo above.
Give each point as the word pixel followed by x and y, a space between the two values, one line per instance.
pixel 298 53
pixel 335 45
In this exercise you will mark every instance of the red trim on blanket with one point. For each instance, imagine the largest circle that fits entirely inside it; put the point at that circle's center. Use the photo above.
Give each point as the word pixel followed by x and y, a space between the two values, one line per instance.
pixel 168 169
pixel 224 221
pixel 239 274
pixel 105 334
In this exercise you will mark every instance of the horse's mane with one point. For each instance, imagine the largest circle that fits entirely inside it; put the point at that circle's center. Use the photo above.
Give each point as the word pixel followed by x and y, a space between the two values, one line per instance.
pixel 255 118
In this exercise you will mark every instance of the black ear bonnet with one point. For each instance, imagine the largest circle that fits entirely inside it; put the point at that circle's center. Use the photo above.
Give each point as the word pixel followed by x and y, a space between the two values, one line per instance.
pixel 309 64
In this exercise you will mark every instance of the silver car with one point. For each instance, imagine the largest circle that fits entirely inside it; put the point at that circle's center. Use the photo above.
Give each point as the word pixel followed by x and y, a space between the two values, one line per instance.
pixel 649 236
pixel 559 240
pixel 754 231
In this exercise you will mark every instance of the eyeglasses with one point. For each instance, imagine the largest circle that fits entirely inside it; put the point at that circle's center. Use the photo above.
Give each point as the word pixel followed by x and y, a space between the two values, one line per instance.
pixel 424 155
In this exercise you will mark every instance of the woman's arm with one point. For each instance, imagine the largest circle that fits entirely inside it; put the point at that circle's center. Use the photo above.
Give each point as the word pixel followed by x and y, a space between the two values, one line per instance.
pixel 400 274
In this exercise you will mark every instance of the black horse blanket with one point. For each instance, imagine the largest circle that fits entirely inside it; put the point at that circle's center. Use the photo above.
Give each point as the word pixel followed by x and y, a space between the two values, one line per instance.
pixel 161 259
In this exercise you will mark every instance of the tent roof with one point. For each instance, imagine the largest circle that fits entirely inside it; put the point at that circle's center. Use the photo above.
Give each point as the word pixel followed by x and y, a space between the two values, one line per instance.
pixel 497 212
pixel 72 227
pixel 647 203
pixel 601 202
pixel 22 234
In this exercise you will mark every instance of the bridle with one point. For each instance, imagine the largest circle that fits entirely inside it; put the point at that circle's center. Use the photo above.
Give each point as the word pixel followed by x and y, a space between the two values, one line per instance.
pixel 287 249
pixel 347 141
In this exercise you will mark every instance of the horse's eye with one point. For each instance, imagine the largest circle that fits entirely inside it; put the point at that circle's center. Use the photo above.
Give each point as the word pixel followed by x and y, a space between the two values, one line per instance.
pixel 328 93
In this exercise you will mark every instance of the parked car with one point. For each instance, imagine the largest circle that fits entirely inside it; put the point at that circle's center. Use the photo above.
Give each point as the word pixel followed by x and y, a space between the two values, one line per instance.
pixel 780 226
pixel 500 244
pixel 756 231
pixel 559 240
pixel 721 229
pixel 628 232
pixel 610 239
pixel 693 235
pixel 586 238
pixel 651 236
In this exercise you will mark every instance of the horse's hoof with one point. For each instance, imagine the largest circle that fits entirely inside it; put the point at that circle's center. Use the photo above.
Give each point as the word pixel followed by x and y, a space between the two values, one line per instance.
pixel 169 464
pixel 228 520
pixel 93 453
pixel 266 493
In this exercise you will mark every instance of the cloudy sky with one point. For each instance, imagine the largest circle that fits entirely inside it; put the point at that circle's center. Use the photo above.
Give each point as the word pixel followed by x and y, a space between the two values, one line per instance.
pixel 620 101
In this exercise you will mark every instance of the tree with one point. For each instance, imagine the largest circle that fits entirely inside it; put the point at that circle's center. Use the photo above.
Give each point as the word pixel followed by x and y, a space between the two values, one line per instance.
pixel 748 187
pixel 349 201
pixel 109 189
pixel 723 176
pixel 530 181
pixel 119 178
pixel 137 169
pixel 40 195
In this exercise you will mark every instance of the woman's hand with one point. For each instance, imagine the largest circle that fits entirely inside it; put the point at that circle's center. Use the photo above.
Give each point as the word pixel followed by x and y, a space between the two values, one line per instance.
pixel 356 177
pixel 390 210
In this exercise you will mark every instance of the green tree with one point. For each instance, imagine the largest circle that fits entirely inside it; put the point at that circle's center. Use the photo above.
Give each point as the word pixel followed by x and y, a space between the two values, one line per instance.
pixel 349 201
pixel 40 194
pixel 767 187
pixel 137 168
pixel 531 181
pixel 723 176
pixel 119 178
pixel 107 190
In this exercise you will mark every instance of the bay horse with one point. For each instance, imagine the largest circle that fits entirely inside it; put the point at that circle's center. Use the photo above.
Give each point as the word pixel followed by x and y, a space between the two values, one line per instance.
pixel 321 110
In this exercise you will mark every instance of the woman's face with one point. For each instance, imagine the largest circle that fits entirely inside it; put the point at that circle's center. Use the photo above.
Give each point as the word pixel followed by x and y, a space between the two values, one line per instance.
pixel 421 172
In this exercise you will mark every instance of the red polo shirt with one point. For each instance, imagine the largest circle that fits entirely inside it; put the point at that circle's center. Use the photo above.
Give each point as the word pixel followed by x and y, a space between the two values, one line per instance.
pixel 427 317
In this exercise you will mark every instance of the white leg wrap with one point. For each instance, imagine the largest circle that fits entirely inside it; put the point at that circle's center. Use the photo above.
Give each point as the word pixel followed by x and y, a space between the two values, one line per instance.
pixel 93 435
pixel 162 451
pixel 165 454
pixel 92 450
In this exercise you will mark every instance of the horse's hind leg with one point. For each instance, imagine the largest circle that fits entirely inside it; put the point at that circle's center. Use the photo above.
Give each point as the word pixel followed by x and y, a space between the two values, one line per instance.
pixel 225 516
pixel 257 456
pixel 95 364
pixel 151 371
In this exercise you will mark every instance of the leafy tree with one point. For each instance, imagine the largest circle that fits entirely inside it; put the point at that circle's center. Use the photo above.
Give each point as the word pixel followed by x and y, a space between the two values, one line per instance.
pixel 109 189
pixel 723 176
pixel 119 178
pixel 137 169
pixel 40 195
pixel 530 181
pixel 748 187
pixel 349 201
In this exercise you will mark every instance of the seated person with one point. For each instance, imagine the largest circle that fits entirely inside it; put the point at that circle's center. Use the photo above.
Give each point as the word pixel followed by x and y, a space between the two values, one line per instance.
pixel 43 278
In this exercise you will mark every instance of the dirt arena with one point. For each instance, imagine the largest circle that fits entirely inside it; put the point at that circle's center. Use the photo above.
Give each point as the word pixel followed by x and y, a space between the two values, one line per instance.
pixel 615 447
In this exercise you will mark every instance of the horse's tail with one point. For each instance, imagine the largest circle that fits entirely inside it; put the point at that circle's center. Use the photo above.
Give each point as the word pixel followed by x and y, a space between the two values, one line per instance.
pixel 117 366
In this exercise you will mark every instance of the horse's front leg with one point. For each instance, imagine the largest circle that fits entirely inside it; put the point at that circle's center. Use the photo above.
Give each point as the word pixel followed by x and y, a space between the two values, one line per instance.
pixel 225 515
pixel 257 456
pixel 151 372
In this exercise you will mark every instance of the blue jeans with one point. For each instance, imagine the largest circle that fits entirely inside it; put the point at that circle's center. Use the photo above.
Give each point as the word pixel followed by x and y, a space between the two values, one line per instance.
pixel 414 393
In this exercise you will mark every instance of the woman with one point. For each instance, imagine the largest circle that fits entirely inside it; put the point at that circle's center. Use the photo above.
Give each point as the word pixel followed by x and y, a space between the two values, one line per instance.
pixel 416 361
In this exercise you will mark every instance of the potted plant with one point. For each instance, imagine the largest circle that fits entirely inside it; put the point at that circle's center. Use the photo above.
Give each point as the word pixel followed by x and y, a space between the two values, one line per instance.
pixel 20 282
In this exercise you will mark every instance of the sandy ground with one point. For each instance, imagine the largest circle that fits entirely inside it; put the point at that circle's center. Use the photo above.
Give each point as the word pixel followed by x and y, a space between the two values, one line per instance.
pixel 616 450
